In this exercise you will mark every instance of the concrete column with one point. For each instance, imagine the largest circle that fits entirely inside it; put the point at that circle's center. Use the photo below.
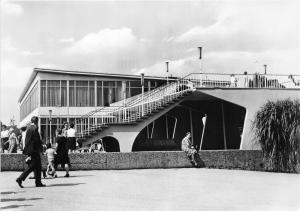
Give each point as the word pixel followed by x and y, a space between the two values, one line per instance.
pixel 68 94
pixel 191 125
pixel 95 93
pixel 126 140
pixel 224 126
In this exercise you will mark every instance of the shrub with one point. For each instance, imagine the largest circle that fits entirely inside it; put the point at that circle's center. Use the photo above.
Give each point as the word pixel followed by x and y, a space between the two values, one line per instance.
pixel 277 128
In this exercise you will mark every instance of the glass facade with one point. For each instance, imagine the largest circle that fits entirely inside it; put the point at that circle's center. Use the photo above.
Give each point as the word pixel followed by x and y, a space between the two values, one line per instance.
pixel 82 93
pixel 30 103
pixel 55 124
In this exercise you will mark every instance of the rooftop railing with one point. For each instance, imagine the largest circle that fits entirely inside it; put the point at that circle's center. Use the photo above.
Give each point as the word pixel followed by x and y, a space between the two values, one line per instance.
pixel 137 107
pixel 212 80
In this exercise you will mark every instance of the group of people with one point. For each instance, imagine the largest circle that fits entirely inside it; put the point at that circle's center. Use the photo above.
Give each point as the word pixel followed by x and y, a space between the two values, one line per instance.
pixel 66 142
pixel 10 143
pixel 33 148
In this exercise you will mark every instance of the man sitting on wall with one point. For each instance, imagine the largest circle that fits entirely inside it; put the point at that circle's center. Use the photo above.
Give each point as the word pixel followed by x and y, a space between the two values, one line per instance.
pixel 191 152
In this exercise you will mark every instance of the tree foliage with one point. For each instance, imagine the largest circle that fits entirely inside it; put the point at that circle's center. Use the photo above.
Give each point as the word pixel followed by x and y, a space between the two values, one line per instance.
pixel 277 128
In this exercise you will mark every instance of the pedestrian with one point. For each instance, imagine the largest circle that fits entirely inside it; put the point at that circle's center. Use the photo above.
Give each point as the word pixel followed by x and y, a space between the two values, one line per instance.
pixel 50 152
pixel 62 156
pixel 71 137
pixel 23 135
pixel 191 152
pixel 12 142
pixel 65 129
pixel 33 148
pixel 4 138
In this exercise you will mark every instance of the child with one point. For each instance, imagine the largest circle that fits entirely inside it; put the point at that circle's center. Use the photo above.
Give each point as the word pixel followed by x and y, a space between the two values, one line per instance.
pixel 50 156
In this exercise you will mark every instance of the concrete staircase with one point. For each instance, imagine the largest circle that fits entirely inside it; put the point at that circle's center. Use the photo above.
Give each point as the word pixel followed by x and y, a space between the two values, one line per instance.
pixel 132 110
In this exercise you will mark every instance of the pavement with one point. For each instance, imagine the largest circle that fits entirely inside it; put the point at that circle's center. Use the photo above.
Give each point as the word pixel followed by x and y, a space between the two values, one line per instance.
pixel 154 189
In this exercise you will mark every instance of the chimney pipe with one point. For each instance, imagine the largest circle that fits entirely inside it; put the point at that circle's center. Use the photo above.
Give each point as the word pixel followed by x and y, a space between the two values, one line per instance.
pixel 200 52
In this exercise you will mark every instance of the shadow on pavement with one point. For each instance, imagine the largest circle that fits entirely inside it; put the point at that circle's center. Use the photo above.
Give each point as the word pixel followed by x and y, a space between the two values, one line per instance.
pixel 81 175
pixel 19 199
pixel 10 192
pixel 65 184
pixel 14 206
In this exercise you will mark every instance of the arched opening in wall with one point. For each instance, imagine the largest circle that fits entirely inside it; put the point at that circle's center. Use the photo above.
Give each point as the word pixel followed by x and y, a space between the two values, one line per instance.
pixel 110 144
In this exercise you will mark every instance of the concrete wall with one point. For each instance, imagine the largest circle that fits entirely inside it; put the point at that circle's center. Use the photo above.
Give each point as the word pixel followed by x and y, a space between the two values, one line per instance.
pixel 233 159
pixel 252 100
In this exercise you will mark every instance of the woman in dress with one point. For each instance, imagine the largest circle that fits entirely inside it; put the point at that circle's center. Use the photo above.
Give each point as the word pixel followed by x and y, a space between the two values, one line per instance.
pixel 13 143
pixel 62 156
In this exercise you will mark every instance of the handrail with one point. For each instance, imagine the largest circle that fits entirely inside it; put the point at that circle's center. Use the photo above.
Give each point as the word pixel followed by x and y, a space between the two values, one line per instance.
pixel 152 100
pixel 141 105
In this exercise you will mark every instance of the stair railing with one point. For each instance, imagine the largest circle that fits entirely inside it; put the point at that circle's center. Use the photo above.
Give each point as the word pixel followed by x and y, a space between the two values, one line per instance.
pixel 152 100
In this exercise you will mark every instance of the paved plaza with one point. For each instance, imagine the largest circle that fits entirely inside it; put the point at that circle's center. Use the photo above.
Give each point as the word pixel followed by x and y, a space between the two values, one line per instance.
pixel 155 189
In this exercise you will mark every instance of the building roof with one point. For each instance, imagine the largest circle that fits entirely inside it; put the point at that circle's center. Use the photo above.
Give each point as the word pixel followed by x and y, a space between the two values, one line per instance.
pixel 69 72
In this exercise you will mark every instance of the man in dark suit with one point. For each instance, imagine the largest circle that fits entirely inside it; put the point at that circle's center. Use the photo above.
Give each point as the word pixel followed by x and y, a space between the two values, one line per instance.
pixel 33 148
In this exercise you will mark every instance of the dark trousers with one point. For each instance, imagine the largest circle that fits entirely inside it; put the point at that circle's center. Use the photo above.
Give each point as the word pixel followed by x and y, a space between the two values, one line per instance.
pixel 4 147
pixel 34 165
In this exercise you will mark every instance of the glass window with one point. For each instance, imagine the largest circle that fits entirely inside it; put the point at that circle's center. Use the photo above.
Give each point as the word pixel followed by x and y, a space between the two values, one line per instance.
pixel 30 102
pixel 53 93
pixel 63 93
pixel 43 93
pixel 92 93
pixel 72 95
pixel 99 93
pixel 82 93
pixel 135 84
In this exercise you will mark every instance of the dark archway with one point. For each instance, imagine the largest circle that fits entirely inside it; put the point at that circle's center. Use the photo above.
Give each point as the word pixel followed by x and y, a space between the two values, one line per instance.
pixel 111 144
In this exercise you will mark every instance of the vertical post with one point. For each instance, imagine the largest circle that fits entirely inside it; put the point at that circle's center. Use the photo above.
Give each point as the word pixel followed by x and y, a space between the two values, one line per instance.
pixel 142 84
pixel 200 57
pixel 265 67
pixel 224 129
pixel 167 63
pixel 203 130
pixel 50 121
pixel 191 125
pixel 167 127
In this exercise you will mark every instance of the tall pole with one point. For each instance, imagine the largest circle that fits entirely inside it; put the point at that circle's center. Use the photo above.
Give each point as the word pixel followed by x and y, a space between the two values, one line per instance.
pixel 167 63
pixel 265 66
pixel 200 57
pixel 142 84
pixel 50 121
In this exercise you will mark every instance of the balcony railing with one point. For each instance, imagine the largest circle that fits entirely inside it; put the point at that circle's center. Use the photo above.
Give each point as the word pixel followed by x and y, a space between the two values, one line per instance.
pixel 136 108
pixel 212 80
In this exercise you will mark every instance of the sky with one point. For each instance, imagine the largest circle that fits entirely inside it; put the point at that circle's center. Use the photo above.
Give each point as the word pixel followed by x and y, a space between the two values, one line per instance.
pixel 134 37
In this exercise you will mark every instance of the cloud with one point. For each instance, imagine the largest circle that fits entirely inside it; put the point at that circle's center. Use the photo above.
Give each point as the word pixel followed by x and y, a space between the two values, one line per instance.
pixel 9 8
pixel 247 28
pixel 106 40
pixel 279 62
pixel 13 79
pixel 67 40
pixel 7 46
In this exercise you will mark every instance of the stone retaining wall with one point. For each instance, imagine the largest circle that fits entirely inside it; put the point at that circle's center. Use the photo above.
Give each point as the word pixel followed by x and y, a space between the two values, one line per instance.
pixel 230 159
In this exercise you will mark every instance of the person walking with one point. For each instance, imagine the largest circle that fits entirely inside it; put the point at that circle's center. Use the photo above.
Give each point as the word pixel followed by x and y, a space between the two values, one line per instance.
pixel 189 149
pixel 13 143
pixel 71 137
pixel 4 138
pixel 23 135
pixel 33 148
pixel 62 156
pixel 50 152
pixel 65 129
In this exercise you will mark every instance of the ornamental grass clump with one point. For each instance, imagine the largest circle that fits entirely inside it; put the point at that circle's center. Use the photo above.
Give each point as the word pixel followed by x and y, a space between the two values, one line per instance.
pixel 277 128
